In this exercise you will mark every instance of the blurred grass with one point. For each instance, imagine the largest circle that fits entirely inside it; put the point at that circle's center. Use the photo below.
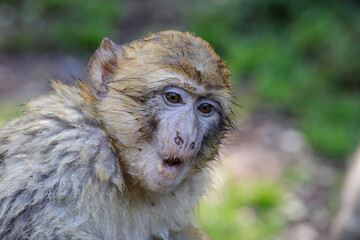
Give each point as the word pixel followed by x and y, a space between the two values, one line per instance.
pixel 262 208
pixel 251 211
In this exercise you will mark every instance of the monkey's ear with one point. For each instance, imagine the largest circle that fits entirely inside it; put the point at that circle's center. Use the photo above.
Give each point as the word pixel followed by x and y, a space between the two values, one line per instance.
pixel 102 66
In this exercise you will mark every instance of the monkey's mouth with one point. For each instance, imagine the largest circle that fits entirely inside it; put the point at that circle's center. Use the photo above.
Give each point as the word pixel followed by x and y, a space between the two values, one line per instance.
pixel 171 167
pixel 173 161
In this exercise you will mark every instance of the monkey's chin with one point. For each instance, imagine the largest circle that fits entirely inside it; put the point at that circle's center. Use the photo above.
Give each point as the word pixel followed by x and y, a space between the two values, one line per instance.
pixel 168 175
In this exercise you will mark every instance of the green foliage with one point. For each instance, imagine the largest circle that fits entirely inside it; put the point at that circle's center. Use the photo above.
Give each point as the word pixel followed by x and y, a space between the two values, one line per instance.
pixel 249 212
pixel 57 24
pixel 299 58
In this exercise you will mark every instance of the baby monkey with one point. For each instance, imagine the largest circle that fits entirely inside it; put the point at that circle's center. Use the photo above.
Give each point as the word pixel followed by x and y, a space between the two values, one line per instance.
pixel 124 155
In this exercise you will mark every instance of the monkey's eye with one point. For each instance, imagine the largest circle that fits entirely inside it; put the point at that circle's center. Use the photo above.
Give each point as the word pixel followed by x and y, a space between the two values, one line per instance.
pixel 173 97
pixel 205 108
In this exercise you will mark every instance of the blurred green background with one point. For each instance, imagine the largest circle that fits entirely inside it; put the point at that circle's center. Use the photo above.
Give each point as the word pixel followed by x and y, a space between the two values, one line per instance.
pixel 298 59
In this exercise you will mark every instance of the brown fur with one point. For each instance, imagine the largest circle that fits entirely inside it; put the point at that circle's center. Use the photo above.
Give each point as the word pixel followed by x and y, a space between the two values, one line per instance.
pixel 77 165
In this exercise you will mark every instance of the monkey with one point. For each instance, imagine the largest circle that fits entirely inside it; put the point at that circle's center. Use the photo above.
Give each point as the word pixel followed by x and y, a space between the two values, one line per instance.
pixel 126 154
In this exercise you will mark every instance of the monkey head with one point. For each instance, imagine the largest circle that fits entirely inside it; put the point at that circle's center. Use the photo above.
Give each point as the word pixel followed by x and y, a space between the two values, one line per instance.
pixel 165 102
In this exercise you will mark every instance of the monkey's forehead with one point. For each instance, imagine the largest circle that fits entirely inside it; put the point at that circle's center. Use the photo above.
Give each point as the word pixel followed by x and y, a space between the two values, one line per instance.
pixel 181 53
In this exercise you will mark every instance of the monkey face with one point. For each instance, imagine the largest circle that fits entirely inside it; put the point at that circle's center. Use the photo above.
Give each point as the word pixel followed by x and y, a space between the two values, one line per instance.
pixel 165 101
pixel 183 120
pixel 179 123
pixel 182 123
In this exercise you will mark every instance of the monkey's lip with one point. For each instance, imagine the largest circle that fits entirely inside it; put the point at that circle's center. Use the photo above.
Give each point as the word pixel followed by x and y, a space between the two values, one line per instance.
pixel 170 167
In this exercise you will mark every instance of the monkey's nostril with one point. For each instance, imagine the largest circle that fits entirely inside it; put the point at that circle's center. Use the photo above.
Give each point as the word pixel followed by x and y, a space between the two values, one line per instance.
pixel 179 141
pixel 192 145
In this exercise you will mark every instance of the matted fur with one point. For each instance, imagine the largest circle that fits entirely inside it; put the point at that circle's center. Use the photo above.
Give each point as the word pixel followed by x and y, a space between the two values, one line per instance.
pixel 69 167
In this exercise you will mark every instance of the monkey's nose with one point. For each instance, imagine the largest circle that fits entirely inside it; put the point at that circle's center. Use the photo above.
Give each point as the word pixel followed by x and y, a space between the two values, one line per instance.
pixel 188 144
pixel 179 141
